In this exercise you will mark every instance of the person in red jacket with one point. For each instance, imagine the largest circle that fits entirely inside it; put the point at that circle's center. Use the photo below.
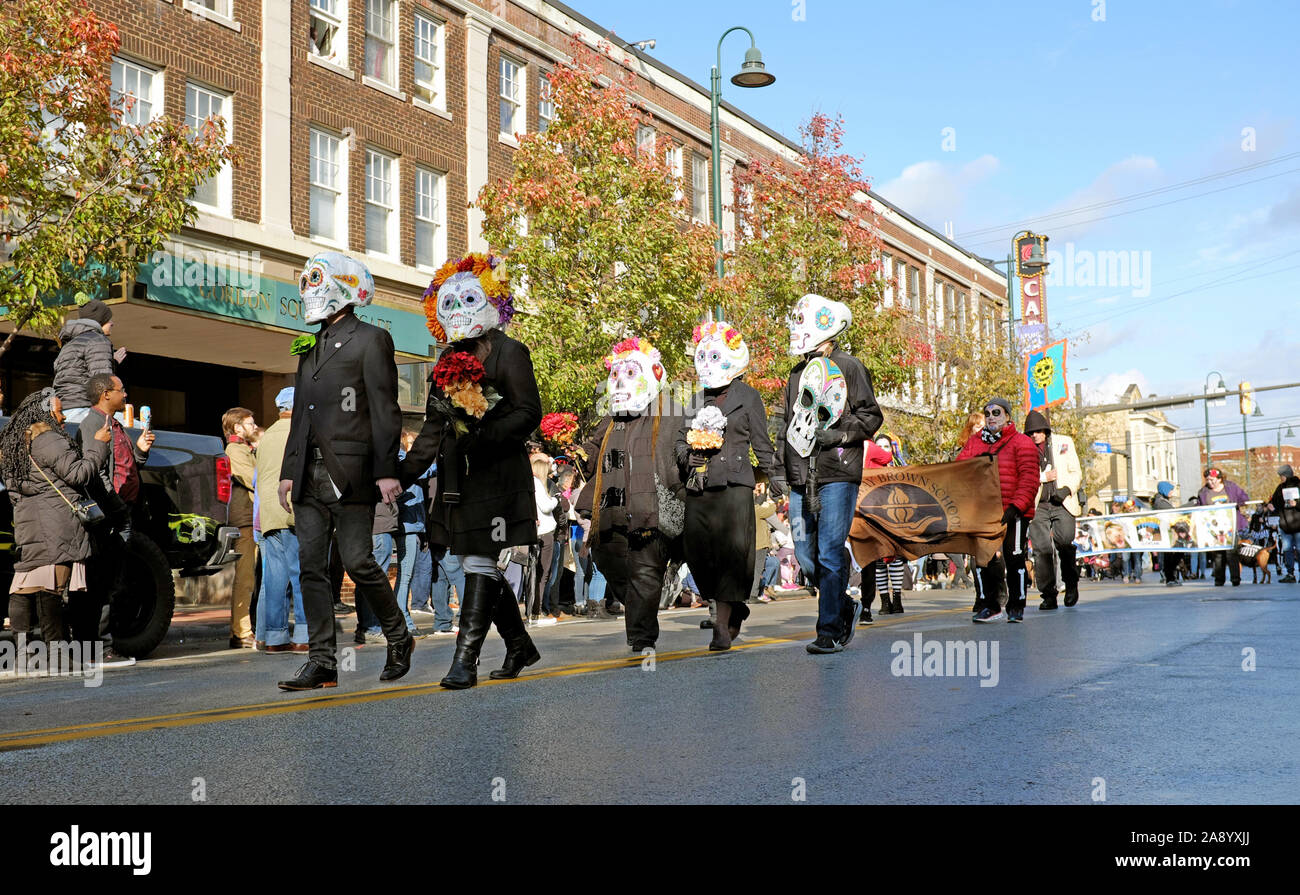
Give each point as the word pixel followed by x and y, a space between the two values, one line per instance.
pixel 1018 474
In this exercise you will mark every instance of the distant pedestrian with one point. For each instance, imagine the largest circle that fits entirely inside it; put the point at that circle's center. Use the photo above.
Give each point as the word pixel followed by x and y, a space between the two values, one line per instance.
pixel 85 351
pixel 886 574
pixel 1017 458
pixel 238 426
pixel 1053 526
pixel 1220 492
pixel 281 572
pixel 1286 503
pixel 46 473
pixel 1170 560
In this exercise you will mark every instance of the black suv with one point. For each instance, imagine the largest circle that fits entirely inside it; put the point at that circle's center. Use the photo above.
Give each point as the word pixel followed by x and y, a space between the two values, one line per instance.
pixel 185 493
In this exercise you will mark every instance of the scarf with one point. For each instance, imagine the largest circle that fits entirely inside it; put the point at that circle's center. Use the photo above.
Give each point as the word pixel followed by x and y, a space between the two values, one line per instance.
pixel 990 437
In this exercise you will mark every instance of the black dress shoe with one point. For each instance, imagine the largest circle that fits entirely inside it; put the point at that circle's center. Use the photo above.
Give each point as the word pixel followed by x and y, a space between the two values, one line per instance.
pixel 706 624
pixel 399 658
pixel 1071 594
pixel 312 677
pixel 341 608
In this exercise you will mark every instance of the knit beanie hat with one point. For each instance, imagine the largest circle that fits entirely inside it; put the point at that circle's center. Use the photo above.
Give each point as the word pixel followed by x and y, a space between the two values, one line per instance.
pixel 97 311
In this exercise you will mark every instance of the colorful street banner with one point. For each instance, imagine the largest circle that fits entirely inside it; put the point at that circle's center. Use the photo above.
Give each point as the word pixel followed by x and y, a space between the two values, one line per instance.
pixel 1045 380
pixel 913 511
pixel 1192 529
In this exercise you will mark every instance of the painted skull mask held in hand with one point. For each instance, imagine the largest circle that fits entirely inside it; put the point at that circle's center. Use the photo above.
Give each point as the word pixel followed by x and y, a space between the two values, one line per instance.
pixel 463 308
pixel 823 394
pixel 815 320
pixel 330 282
pixel 720 354
pixel 636 376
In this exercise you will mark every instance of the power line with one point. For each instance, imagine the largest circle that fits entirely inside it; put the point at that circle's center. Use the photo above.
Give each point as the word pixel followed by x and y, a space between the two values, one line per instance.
pixel 1155 301
pixel 1119 214
pixel 1134 196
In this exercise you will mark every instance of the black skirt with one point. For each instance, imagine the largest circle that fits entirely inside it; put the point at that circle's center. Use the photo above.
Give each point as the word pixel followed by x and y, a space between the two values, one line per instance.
pixel 719 541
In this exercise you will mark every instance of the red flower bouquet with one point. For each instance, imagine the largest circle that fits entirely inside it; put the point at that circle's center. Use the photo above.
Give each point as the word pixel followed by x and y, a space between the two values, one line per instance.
pixel 459 376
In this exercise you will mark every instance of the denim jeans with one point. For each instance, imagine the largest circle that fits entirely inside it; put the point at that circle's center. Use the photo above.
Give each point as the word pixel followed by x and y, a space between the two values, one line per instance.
pixel 384 544
pixel 819 546
pixel 1287 545
pixel 280 572
pixel 449 572
pixel 259 611
pixel 1133 564
pixel 75 414
pixel 422 579
pixel 408 548
pixel 771 572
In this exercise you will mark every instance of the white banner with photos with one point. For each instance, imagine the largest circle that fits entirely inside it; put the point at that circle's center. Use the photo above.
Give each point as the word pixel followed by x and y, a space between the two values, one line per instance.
pixel 1196 529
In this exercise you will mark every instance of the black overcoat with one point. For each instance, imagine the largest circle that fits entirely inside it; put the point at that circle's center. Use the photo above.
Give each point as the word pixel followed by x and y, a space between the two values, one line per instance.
pixel 746 428
pixel 345 403
pixel 497 507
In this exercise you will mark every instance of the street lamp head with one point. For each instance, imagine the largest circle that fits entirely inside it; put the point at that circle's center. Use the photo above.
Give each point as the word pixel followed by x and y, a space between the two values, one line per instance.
pixel 753 73
pixel 1037 261
pixel 1290 433
pixel 1257 412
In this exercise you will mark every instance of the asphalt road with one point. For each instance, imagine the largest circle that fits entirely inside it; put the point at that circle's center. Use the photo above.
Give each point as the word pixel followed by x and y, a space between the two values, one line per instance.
pixel 1140 691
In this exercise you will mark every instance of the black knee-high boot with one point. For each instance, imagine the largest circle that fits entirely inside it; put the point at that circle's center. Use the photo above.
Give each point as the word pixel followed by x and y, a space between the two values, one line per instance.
pixel 476 608
pixel 520 650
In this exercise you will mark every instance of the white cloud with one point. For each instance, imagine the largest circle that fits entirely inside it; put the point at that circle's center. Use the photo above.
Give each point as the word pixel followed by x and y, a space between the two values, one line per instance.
pixel 1109 388
pixel 935 192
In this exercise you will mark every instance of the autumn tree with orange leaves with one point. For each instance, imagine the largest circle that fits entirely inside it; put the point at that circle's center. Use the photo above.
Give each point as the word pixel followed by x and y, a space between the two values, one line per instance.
pixel 85 195
pixel 804 225
pixel 608 251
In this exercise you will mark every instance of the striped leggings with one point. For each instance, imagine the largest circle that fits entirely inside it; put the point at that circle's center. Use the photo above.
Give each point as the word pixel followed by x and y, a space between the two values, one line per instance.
pixel 889 577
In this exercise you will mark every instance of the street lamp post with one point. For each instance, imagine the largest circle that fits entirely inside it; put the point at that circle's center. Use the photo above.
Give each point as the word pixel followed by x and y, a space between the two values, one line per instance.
pixel 752 74
pixel 1035 264
pixel 1290 433
pixel 1220 387
pixel 1245 443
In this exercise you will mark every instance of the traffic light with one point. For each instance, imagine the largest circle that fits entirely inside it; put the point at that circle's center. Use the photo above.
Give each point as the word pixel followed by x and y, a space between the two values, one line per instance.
pixel 1247 398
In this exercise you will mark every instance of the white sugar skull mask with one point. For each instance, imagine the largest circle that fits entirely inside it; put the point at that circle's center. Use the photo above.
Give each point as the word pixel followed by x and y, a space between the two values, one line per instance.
pixel 330 282
pixel 635 379
pixel 823 393
pixel 463 308
pixel 720 355
pixel 814 320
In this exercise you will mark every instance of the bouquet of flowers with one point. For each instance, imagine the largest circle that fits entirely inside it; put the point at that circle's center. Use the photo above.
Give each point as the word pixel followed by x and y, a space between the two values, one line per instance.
pixel 459 375
pixel 705 434
pixel 706 431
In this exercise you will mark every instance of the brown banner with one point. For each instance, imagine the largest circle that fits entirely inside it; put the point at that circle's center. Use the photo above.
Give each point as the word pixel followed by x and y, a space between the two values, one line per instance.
pixel 913 511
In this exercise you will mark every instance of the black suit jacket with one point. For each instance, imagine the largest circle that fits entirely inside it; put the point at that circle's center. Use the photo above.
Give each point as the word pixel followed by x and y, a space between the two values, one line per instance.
pixel 746 428
pixel 345 403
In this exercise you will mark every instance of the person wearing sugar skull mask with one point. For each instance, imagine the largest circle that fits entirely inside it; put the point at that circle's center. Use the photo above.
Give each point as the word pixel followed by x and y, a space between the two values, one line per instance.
pixel 485 496
pixel 830 411
pixel 341 459
pixel 634 494
pixel 719 531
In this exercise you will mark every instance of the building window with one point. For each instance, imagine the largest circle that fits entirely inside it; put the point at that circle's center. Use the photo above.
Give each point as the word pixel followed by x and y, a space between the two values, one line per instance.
pixel 200 105
pixel 914 291
pixel 545 103
pixel 949 307
pixel 220 7
pixel 381 215
pixel 961 314
pixel 430 232
pixel 887 273
pixel 512 98
pixel 380 55
pixel 429 78
pixel 699 187
pixel 645 139
pixel 139 90
pixel 328 208
pixel 673 158
pixel 327 33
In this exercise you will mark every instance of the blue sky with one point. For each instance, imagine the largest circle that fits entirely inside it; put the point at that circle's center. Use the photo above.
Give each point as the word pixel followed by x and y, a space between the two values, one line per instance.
pixel 1052 110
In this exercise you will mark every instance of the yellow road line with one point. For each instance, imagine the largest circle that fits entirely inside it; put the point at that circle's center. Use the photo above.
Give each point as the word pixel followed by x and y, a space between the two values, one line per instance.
pixel 27 739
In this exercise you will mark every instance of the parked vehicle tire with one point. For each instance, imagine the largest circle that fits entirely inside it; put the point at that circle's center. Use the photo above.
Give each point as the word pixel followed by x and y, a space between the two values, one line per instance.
pixel 144 599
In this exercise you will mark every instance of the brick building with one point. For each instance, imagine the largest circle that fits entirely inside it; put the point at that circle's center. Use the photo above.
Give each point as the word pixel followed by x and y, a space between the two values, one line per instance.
pixel 368 126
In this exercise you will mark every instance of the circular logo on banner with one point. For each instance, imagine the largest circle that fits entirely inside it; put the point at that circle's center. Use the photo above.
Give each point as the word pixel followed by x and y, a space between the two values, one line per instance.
pixel 906 509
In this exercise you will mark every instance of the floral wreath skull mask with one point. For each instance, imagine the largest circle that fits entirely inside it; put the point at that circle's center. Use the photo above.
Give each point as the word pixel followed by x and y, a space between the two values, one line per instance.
pixel 330 282
pixel 463 308
pixel 823 393
pixel 720 354
pixel 815 320
pixel 635 377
